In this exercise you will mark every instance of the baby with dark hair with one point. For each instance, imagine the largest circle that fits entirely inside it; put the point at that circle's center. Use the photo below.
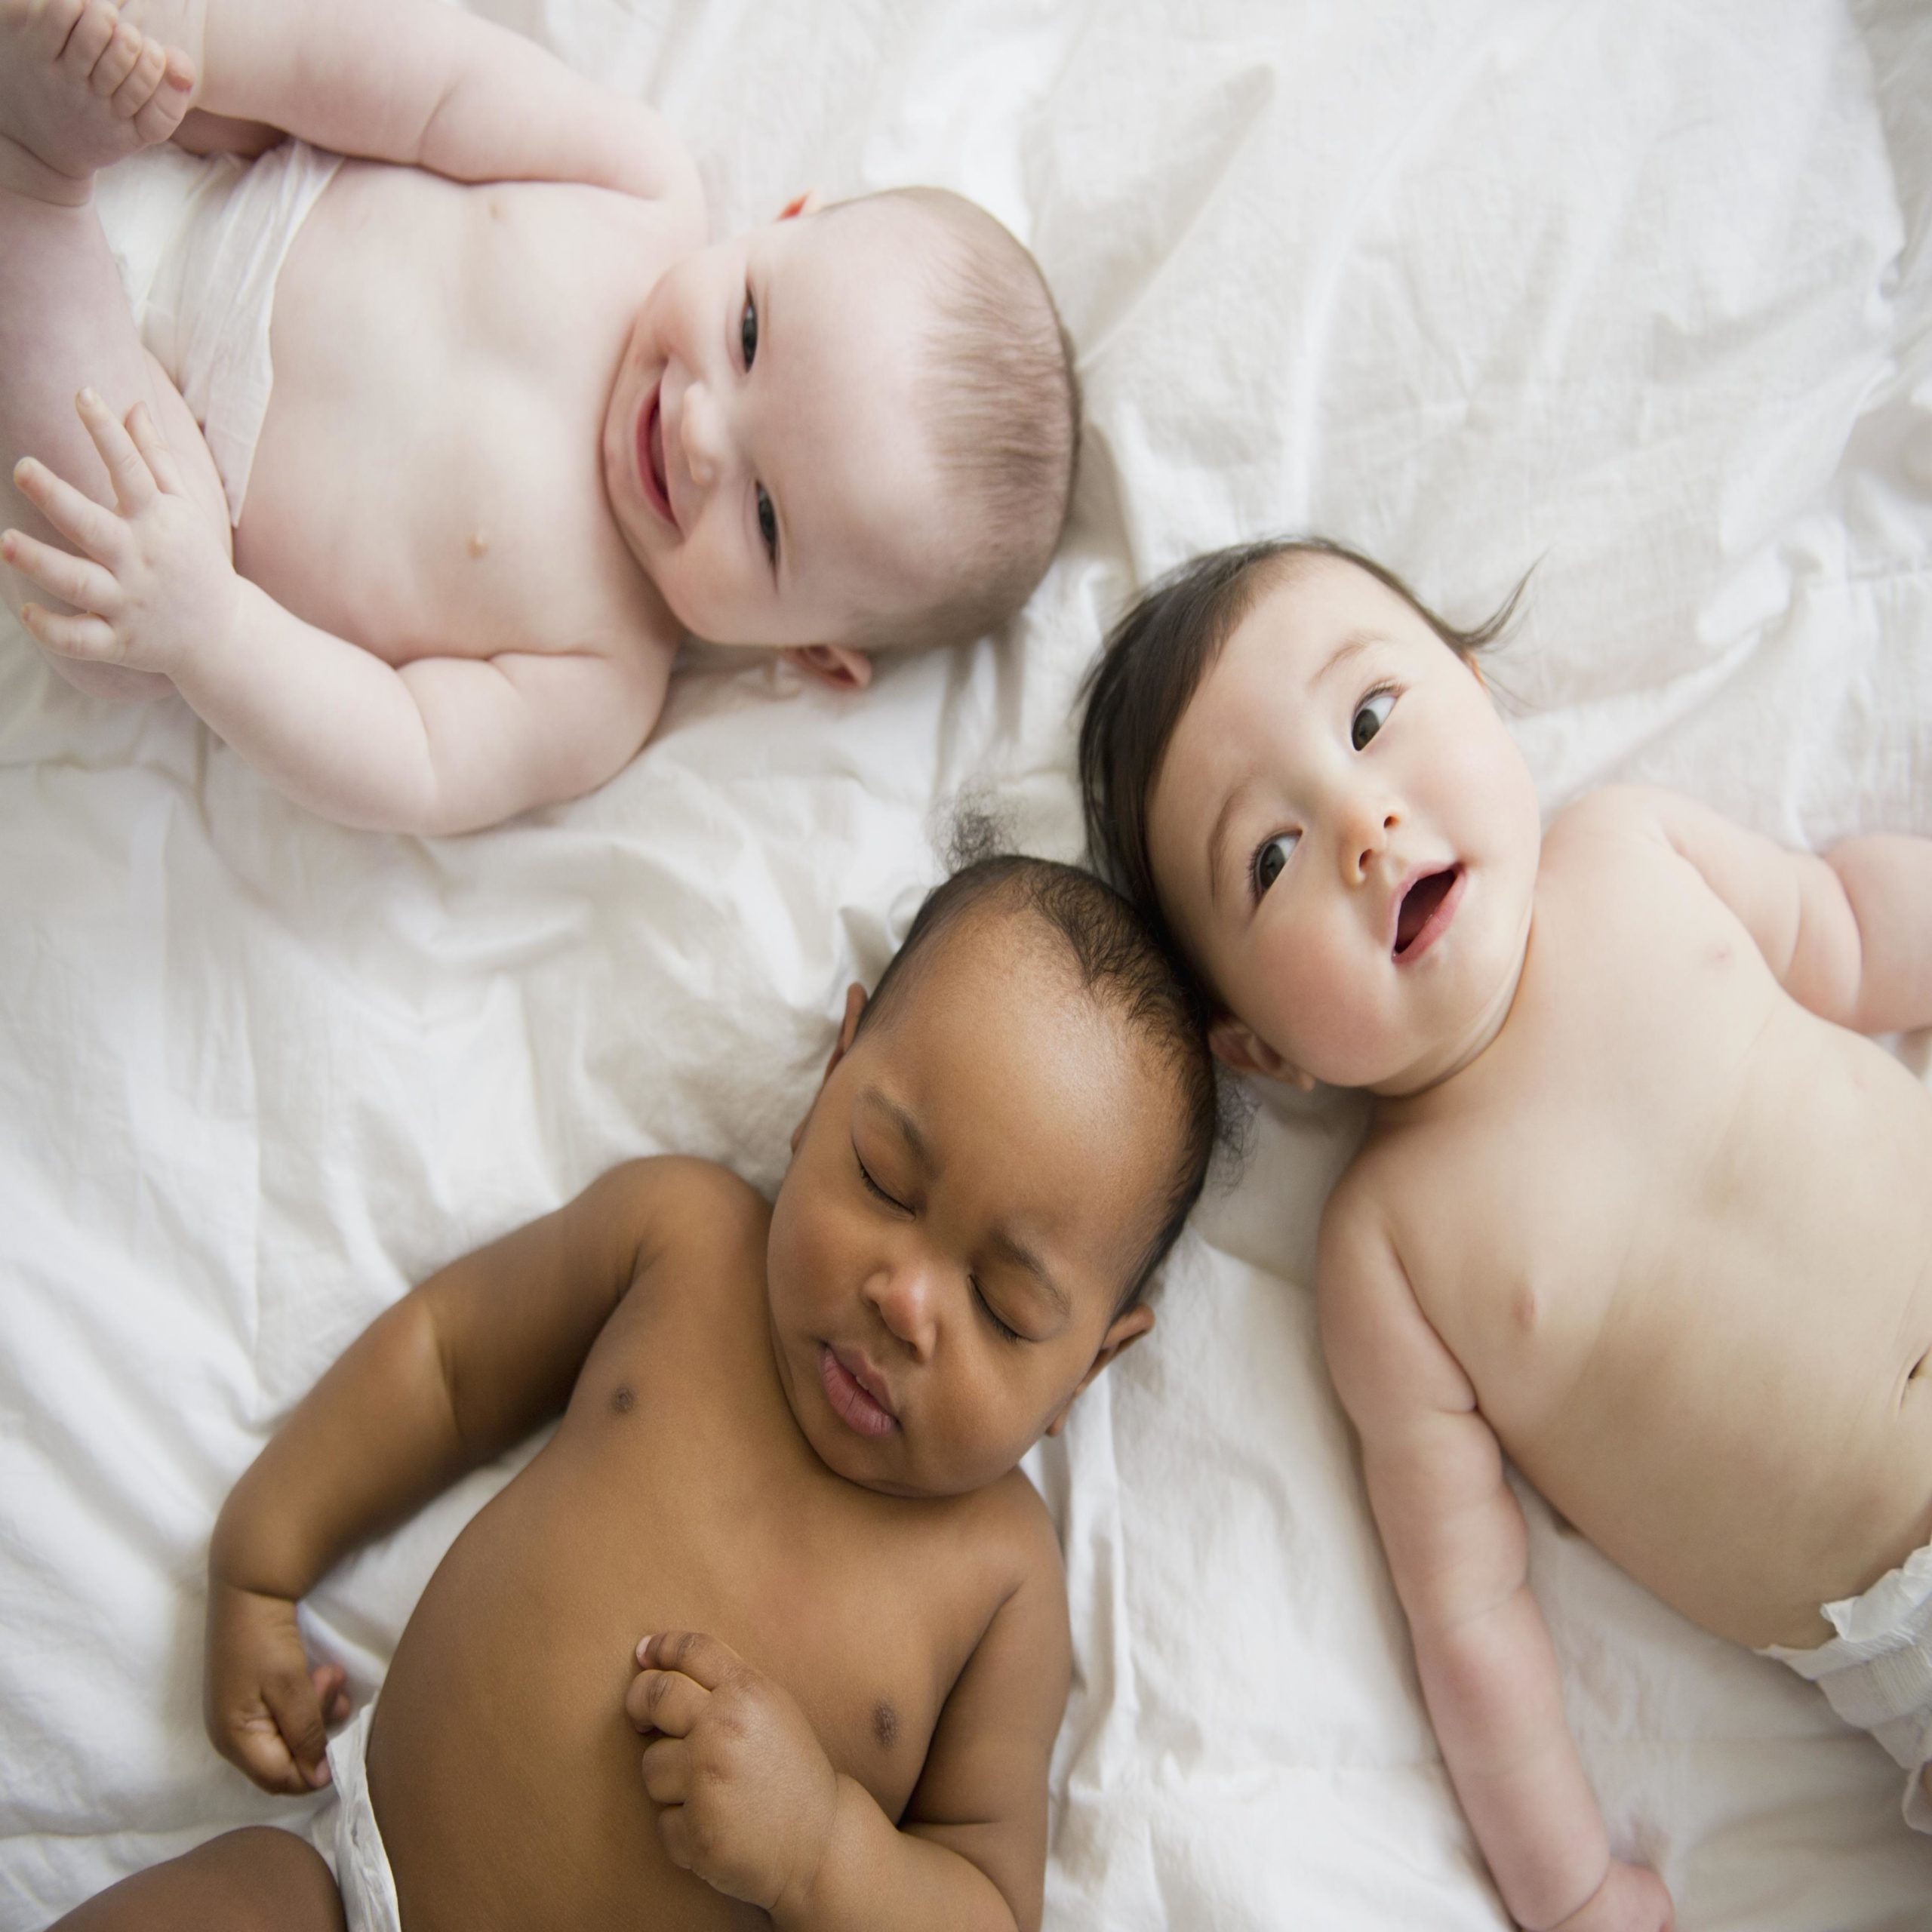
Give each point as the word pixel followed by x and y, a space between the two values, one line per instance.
pixel 1638 1208
pixel 778 1558
pixel 427 563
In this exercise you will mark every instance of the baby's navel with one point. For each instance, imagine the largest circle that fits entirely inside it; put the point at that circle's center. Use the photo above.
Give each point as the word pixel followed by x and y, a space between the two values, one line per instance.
pixel 479 541
pixel 885 1724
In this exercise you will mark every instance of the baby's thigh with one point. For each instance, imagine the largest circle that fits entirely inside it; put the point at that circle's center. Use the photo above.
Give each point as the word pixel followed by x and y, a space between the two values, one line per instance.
pixel 258 1880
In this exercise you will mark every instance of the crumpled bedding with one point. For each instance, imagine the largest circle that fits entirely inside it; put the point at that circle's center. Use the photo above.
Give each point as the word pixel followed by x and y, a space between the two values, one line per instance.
pixel 1637 294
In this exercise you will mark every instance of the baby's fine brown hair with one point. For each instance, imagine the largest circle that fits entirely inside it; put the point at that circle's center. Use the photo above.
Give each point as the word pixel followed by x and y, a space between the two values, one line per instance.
pixel 1003 409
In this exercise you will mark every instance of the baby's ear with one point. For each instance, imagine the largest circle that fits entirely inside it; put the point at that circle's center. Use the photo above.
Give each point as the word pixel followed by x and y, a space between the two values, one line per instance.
pixel 836 665
pixel 1237 1045
pixel 1124 1330
pixel 855 1005
pixel 810 202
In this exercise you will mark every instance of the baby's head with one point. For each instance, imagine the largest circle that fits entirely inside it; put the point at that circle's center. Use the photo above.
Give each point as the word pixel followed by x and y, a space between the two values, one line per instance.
pixel 1295 768
pixel 1008 1137
pixel 853 428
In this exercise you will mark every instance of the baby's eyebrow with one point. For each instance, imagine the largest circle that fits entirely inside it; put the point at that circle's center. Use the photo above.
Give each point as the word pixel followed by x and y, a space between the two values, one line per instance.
pixel 908 1128
pixel 1352 646
pixel 1217 837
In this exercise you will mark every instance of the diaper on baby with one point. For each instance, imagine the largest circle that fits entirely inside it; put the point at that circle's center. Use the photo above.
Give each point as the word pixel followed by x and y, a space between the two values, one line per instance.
pixel 1877 1672
pixel 362 1873
pixel 199 241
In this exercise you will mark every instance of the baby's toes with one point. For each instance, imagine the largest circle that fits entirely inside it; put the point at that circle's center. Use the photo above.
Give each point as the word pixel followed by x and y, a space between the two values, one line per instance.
pixel 137 89
pixel 119 59
pixel 87 40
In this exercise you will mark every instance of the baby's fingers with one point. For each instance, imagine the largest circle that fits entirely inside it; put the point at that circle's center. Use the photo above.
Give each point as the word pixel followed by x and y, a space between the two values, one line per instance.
pixel 298 1711
pixel 126 468
pixel 154 448
pixel 90 638
pixel 256 1745
pixel 76 515
pixel 59 572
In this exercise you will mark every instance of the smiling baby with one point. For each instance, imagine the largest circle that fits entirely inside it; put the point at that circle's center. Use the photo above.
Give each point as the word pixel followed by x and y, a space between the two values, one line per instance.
pixel 408 471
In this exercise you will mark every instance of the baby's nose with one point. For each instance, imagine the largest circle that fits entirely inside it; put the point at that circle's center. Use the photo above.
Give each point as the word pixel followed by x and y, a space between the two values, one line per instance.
pixel 701 431
pixel 903 1296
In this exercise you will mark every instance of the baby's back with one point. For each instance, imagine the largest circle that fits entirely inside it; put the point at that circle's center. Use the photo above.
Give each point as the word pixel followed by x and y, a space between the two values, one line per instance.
pixel 428 481
pixel 1676 1230
pixel 678 1495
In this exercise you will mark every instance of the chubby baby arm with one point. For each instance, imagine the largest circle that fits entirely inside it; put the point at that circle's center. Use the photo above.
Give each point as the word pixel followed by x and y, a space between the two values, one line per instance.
pixel 427 84
pixel 749 1801
pixel 1848 932
pixel 440 745
pixel 467 1364
pixel 1458 1551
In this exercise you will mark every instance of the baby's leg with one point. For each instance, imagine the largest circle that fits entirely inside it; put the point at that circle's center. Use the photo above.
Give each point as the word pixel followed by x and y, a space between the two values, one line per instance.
pixel 260 1880
pixel 78 88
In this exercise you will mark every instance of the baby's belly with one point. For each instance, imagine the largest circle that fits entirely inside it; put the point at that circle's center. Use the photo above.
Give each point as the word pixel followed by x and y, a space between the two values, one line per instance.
pixel 1745 1422
pixel 427 480
pixel 504 1773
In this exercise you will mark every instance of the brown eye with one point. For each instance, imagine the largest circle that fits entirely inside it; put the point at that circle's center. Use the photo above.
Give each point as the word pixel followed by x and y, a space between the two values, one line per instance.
pixel 1270 858
pixel 1370 715
pixel 748 331
pixel 767 524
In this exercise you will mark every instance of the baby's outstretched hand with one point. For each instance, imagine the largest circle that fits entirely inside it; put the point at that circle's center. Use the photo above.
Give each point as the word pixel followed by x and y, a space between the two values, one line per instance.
pixel 748 1793
pixel 1631 1899
pixel 153 584
pixel 267 1710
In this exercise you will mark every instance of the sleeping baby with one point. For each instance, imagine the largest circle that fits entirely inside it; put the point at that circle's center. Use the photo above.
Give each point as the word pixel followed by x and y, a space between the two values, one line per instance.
pixel 427 564
pixel 786 1461
pixel 1639 1206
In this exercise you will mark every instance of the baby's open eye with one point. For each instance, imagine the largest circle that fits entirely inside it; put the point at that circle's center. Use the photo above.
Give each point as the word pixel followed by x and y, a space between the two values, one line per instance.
pixel 1370 715
pixel 767 524
pixel 748 330
pixel 1269 857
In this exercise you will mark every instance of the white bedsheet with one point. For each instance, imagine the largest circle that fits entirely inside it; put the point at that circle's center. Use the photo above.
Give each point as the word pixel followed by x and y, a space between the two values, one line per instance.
pixel 1638 292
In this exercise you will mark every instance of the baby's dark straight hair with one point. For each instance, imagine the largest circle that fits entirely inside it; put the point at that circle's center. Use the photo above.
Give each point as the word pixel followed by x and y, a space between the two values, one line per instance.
pixel 1152 665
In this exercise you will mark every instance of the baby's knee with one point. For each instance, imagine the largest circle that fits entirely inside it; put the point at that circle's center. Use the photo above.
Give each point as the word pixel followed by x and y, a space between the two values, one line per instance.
pixel 255 1880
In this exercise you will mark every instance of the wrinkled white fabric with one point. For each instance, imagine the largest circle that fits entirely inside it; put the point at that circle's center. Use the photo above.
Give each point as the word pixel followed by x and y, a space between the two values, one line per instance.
pixel 1633 291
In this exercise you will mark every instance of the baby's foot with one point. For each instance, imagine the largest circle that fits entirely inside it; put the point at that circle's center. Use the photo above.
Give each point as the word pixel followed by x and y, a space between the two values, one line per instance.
pixel 80 88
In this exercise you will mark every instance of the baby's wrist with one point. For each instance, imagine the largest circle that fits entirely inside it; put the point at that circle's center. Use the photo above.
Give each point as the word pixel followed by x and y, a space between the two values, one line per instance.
pixel 808 1897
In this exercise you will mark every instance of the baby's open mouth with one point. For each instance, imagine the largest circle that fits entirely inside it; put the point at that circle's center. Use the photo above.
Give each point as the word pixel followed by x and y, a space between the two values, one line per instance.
pixel 650 453
pixel 1425 911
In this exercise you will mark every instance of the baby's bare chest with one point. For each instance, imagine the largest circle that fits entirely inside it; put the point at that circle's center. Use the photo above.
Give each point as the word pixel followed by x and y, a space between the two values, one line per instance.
pixel 428 478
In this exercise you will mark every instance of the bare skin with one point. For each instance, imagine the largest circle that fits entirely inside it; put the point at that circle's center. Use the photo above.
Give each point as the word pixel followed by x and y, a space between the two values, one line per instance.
pixel 1639 1208
pixel 857 1652
pixel 524 432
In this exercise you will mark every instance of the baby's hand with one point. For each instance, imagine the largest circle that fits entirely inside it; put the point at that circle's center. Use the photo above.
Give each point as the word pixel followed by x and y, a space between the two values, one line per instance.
pixel 159 585
pixel 266 1711
pixel 1631 1899
pixel 749 1795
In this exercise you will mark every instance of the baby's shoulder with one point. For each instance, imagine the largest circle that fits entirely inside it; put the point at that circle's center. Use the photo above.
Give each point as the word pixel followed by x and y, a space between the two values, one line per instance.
pixel 1628 820
pixel 682 1210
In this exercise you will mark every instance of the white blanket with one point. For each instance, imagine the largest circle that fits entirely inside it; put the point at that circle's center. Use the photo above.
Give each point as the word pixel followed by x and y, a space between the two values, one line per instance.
pixel 1638 292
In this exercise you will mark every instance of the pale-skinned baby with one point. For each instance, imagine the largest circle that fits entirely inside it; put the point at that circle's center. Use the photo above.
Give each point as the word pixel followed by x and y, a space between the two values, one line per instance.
pixel 1640 1207
pixel 410 471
